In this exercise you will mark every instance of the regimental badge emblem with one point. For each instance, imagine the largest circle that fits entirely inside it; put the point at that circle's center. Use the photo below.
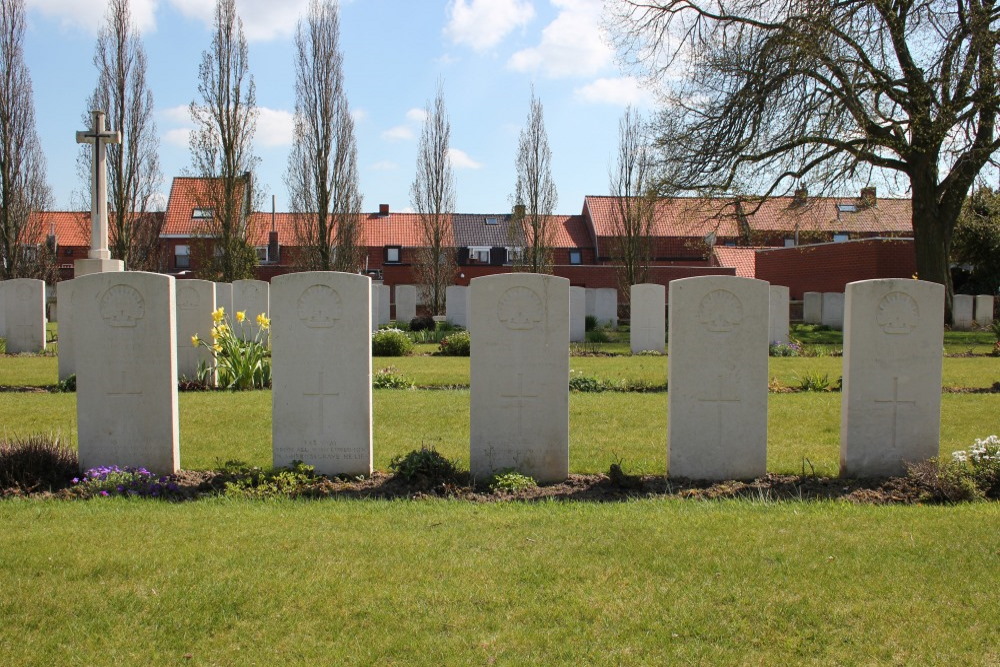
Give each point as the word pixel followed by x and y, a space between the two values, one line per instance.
pixel 122 306
pixel 520 309
pixel 898 313
pixel 319 307
pixel 720 311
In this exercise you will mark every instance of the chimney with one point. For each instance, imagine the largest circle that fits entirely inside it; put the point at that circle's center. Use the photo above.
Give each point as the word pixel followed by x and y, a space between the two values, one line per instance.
pixel 273 248
pixel 801 195
pixel 869 197
pixel 383 209
pixel 519 211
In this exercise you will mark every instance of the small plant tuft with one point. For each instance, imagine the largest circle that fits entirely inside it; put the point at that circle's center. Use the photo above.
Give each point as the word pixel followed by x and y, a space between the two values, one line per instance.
pixel 425 467
pixel 390 378
pixel 423 323
pixel 36 463
pixel 589 323
pixel 126 482
pixel 391 343
pixel 254 482
pixel 789 349
pixel 813 381
pixel 509 480
pixel 458 344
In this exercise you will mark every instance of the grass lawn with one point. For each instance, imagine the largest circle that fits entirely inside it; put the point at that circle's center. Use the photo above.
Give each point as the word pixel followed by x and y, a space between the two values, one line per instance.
pixel 437 582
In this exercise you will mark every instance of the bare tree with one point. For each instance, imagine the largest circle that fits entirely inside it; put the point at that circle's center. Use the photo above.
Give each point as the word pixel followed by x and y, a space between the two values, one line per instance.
pixel 24 194
pixel 322 174
pixel 762 94
pixel 222 150
pixel 634 203
pixel 433 197
pixel 134 174
pixel 535 195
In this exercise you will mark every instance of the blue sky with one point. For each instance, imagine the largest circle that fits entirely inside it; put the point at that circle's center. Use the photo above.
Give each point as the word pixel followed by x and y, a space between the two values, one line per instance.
pixel 488 53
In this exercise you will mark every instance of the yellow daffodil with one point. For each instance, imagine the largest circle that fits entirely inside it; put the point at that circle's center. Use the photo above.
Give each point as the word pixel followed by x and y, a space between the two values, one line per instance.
pixel 217 347
pixel 215 333
pixel 263 321
pixel 241 315
pixel 194 340
pixel 223 329
pixel 218 314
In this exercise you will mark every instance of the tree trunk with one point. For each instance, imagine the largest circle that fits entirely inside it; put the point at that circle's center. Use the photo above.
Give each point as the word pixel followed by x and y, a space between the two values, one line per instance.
pixel 932 232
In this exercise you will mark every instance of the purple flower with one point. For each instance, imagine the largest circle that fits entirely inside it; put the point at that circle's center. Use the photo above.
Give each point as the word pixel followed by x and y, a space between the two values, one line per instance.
pixel 76 480
pixel 104 493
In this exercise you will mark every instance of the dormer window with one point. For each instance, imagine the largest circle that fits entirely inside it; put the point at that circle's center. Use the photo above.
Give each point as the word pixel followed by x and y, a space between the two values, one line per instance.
pixel 847 208
pixel 492 221
pixel 201 213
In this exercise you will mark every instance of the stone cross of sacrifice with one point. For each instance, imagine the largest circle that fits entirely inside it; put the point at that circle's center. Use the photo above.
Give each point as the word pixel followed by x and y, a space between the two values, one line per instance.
pixel 99 137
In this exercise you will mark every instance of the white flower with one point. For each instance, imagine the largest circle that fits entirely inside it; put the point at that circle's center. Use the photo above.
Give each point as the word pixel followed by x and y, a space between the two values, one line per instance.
pixel 960 456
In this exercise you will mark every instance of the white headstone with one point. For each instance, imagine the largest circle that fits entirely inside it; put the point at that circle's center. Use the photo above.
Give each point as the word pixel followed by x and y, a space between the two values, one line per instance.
pixel 833 310
pixel 520 376
pixel 961 312
pixel 406 303
pixel 374 299
pixel 457 305
pixel 224 299
pixel 24 302
pixel 126 398
pixel 67 357
pixel 648 327
pixel 891 400
pixel 812 307
pixel 384 304
pixel 321 364
pixel 606 306
pixel 577 314
pixel 195 303
pixel 717 378
pixel 778 309
pixel 984 309
pixel 253 298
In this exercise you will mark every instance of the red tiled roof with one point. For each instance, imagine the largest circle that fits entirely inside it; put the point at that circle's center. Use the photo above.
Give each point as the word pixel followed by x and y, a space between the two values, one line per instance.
pixel 184 194
pixel 831 214
pixel 569 231
pixel 683 217
pixel 402 229
pixel 744 260
pixel 72 228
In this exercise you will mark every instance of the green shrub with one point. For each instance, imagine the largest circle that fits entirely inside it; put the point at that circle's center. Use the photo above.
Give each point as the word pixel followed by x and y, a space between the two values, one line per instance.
pixel 254 482
pixel 423 323
pixel 36 463
pixel 68 385
pixel 390 378
pixel 458 344
pixel 982 462
pixel 425 466
pixel 943 480
pixel 813 381
pixel 589 323
pixel 511 480
pixel 598 335
pixel 391 343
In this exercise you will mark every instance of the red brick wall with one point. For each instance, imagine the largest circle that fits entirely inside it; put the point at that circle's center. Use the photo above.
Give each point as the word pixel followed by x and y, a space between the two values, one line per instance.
pixel 829 267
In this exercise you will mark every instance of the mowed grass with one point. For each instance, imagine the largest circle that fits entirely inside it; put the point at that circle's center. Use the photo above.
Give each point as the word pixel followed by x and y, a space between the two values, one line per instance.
pixel 442 583
pixel 803 429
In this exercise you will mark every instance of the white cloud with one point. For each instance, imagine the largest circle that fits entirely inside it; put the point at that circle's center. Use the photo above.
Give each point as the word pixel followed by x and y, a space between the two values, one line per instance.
pixel 572 45
pixel 90 15
pixel 385 165
pixel 482 24
pixel 461 160
pixel 178 137
pixel 621 92
pixel 263 20
pixel 416 115
pixel 275 127
pixel 359 115
pixel 177 115
pixel 398 133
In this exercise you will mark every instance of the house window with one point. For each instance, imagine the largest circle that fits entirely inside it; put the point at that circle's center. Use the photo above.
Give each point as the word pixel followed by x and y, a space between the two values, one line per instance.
pixel 492 221
pixel 789 243
pixel 575 257
pixel 480 254
pixel 514 254
pixel 201 213
pixel 392 254
pixel 840 238
pixel 847 208
pixel 261 251
pixel 182 257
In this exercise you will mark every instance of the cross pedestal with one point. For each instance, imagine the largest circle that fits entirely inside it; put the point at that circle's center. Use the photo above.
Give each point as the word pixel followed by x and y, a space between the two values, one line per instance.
pixel 99 258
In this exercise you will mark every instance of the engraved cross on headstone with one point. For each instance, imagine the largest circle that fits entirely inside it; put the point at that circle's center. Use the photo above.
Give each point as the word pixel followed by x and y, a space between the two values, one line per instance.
pixel 520 399
pixel 720 402
pixel 322 395
pixel 895 402
pixel 99 137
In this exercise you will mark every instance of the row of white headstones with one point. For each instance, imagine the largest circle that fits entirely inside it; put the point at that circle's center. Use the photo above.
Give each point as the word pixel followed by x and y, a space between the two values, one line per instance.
pixel 125 332
pixel 967 311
